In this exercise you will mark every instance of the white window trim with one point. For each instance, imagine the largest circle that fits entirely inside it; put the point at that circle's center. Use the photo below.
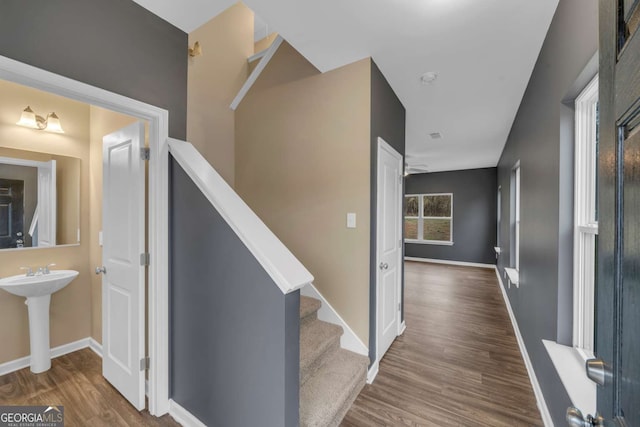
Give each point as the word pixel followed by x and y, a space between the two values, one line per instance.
pixel 585 224
pixel 421 224
pixel 517 183
pixel 498 218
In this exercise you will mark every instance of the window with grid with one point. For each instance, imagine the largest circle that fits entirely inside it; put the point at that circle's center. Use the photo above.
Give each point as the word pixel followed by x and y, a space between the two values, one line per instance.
pixel 585 218
pixel 428 218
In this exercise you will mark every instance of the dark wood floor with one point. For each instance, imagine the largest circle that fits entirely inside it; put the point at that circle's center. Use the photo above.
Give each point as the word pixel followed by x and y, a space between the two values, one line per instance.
pixel 458 362
pixel 76 381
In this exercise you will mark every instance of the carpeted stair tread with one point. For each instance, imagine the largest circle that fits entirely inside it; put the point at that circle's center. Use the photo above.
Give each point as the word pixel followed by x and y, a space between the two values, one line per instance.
pixel 308 309
pixel 317 340
pixel 329 393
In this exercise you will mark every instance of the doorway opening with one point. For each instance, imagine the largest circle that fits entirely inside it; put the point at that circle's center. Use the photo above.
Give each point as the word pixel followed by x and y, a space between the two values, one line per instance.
pixel 156 315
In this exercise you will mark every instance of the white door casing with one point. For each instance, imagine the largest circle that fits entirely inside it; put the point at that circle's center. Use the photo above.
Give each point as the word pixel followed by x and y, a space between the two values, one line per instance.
pixel 123 222
pixel 158 118
pixel 389 247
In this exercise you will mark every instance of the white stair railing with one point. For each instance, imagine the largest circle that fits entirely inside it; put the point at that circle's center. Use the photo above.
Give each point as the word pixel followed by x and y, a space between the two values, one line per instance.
pixel 283 267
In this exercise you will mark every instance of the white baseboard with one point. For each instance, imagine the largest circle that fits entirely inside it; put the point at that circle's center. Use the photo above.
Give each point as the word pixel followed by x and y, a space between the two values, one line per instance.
pixel 23 362
pixel 349 340
pixel 373 371
pixel 403 327
pixel 182 416
pixel 95 346
pixel 443 261
pixel 542 404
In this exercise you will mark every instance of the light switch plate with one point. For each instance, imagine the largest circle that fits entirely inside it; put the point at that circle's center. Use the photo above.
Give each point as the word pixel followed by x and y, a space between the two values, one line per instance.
pixel 351 220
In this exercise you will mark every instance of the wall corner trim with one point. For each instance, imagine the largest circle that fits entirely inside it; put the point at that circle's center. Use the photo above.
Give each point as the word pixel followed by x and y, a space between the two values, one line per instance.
pixel 253 77
pixel 442 261
pixel 95 346
pixel 349 340
pixel 373 371
pixel 542 404
pixel 182 416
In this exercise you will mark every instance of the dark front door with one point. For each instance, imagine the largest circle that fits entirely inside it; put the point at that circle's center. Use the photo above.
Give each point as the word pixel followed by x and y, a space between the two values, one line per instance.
pixel 11 212
pixel 618 279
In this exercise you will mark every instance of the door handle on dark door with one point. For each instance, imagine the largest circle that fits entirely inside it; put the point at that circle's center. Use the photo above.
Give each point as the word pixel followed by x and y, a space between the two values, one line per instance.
pixel 598 371
pixel 576 419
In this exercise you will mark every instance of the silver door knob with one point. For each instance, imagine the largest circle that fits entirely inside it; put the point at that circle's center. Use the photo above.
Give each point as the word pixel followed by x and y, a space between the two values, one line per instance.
pixel 384 266
pixel 576 419
pixel 101 270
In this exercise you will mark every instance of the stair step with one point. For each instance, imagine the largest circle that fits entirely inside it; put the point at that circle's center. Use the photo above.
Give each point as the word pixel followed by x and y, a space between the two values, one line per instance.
pixel 308 309
pixel 318 340
pixel 329 393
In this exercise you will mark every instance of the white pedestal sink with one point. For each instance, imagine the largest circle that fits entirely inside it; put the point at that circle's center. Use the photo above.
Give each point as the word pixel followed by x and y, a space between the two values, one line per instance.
pixel 38 290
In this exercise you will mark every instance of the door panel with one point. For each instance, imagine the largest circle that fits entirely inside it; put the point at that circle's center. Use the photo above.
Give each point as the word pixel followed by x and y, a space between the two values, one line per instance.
pixel 123 222
pixel 121 160
pixel 617 341
pixel 389 246
pixel 629 342
pixel 119 327
pixel 389 310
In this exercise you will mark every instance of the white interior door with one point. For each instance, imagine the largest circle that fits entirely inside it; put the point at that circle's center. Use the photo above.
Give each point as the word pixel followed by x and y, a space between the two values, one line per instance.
pixel 47 206
pixel 123 221
pixel 389 246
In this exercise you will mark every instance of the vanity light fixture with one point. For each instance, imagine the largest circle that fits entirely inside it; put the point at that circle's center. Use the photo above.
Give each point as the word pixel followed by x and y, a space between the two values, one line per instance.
pixel 31 120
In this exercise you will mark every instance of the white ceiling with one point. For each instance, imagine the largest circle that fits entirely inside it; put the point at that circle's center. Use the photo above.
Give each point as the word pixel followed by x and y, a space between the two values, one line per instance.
pixel 483 51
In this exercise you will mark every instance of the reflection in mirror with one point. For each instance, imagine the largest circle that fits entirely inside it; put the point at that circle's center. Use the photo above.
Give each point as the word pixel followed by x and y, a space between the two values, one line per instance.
pixel 39 199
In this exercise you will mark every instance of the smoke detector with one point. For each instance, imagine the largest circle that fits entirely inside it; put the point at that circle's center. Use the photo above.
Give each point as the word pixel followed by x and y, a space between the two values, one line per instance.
pixel 428 77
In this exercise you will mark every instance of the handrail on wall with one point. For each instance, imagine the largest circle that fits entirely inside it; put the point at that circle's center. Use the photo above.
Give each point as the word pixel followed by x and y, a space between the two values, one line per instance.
pixel 283 267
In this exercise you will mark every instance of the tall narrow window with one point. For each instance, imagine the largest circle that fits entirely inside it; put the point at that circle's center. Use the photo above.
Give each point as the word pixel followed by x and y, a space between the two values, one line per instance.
pixel 428 218
pixel 585 218
pixel 517 172
pixel 515 217
pixel 498 216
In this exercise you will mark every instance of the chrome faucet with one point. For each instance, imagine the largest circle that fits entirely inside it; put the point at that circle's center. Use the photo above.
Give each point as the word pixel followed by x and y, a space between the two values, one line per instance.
pixel 29 271
pixel 45 269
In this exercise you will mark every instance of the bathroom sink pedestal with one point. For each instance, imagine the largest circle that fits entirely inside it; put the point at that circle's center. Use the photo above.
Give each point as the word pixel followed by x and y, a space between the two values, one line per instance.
pixel 39 332
pixel 37 289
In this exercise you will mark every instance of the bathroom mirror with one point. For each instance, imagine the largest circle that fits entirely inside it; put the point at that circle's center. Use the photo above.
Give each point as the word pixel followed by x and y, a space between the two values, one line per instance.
pixel 39 199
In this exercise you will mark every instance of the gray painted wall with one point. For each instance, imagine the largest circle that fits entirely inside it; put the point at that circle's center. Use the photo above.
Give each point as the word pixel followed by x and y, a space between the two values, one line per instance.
pixel 474 214
pixel 235 338
pixel 388 122
pixel 115 45
pixel 538 139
